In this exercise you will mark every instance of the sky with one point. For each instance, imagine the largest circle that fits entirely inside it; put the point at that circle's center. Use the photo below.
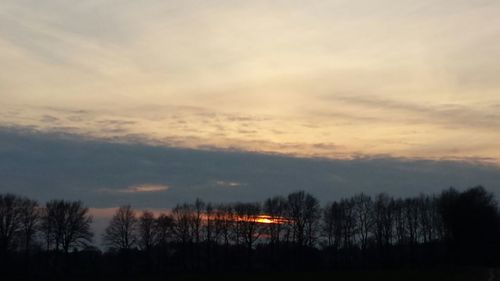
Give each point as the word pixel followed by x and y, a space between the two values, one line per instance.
pixel 399 96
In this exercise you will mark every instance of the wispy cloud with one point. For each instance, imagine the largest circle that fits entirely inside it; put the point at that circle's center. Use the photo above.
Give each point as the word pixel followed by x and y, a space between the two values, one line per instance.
pixel 142 188
pixel 448 114
pixel 331 79
pixel 223 183
pixel 146 188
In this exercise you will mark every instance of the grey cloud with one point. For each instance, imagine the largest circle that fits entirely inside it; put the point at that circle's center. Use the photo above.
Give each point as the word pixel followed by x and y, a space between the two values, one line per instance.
pixel 45 166
pixel 142 188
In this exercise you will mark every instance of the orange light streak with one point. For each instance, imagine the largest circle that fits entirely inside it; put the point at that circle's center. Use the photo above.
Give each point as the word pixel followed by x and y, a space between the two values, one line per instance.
pixel 264 219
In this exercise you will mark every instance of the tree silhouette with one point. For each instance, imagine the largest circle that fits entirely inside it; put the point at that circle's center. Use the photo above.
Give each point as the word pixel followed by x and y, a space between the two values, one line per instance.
pixel 66 225
pixel 10 222
pixel 146 228
pixel 276 207
pixel 363 209
pixel 459 228
pixel 29 216
pixel 163 229
pixel 121 231
pixel 247 214
pixel 472 222
pixel 304 214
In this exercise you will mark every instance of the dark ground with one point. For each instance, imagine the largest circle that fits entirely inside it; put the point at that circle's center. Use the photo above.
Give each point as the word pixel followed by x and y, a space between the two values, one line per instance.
pixel 472 274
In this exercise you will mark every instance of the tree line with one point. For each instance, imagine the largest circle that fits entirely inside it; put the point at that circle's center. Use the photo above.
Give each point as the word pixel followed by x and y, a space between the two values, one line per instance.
pixel 292 232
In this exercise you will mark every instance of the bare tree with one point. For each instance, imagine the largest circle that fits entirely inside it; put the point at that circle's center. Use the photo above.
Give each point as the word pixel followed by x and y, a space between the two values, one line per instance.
pixel 163 228
pixel 78 221
pixel 9 221
pixel 432 225
pixel 363 208
pixel 224 223
pixel 304 213
pixel 199 208
pixel 29 220
pixel 183 216
pixel 296 213
pixel 247 220
pixel 349 222
pixel 210 234
pixel 400 222
pixel 66 225
pixel 411 207
pixel 332 225
pixel 53 223
pixel 146 229
pixel 384 207
pixel 312 216
pixel 184 231
pixel 248 226
pixel 121 231
pixel 276 207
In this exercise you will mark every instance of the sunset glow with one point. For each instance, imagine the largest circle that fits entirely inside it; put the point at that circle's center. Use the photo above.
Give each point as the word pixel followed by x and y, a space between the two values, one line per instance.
pixel 265 219
pixel 337 79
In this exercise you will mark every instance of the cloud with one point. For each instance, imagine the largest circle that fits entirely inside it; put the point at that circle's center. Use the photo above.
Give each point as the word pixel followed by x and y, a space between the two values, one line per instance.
pixel 137 189
pixel 351 126
pixel 49 119
pixel 449 115
pixel 222 183
pixel 145 188
pixel 106 174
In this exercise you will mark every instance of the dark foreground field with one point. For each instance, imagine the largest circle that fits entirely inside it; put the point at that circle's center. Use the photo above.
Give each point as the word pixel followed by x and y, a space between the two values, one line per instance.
pixel 371 275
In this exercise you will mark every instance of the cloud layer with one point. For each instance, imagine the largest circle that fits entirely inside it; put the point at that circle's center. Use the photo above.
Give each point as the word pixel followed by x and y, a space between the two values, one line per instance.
pixel 105 174
pixel 336 78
